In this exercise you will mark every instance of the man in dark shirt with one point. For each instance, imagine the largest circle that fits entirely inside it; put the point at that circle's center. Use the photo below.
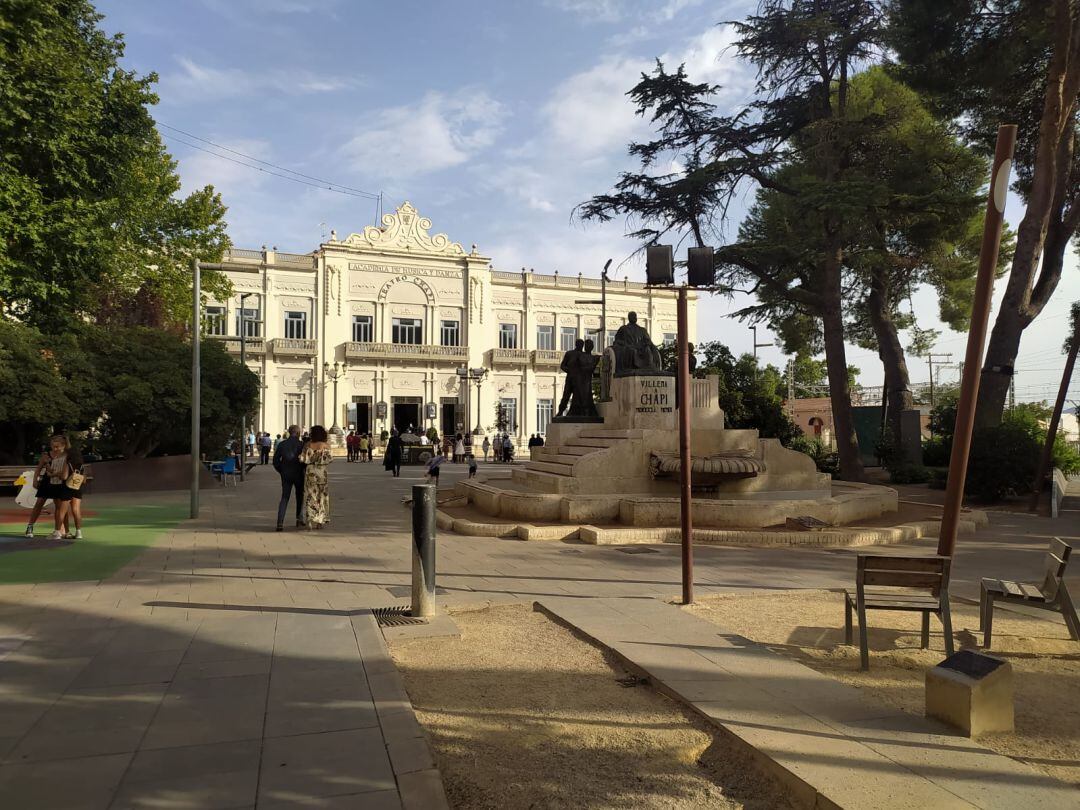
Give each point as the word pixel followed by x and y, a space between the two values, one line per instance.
pixel 289 467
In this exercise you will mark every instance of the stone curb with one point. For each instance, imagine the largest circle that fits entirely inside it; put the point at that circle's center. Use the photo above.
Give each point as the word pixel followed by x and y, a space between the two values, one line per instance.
pixel 600 536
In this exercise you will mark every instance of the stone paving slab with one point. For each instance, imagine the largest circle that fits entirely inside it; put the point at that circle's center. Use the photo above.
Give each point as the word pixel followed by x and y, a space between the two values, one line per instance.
pixel 830 745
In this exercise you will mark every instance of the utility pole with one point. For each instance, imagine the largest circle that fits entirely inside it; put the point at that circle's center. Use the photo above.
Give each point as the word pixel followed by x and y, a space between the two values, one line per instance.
pixel 1012 391
pixel 243 364
pixel 980 318
pixel 682 388
pixel 931 359
pixel 196 383
pixel 757 345
pixel 1055 418
pixel 791 388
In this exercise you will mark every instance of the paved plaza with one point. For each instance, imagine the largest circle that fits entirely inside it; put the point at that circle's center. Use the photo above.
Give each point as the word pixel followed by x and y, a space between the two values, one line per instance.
pixel 232 666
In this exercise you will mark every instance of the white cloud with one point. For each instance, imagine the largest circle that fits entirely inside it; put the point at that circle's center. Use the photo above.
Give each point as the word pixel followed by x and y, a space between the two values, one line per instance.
pixel 592 10
pixel 437 132
pixel 199 82
pixel 198 169
pixel 711 58
pixel 672 8
pixel 590 114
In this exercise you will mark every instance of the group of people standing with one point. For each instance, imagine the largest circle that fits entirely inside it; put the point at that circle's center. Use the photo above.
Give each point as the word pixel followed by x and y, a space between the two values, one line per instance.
pixel 359 446
pixel 302 464
pixel 59 477
pixel 502 448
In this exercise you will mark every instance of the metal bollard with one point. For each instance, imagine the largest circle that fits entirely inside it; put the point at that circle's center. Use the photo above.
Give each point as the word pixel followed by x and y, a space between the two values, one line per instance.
pixel 423 550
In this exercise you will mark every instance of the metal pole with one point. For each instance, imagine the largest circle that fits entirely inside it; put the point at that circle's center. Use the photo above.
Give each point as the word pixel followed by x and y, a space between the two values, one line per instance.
pixel 479 409
pixel 980 317
pixel 603 309
pixel 1055 420
pixel 685 502
pixel 423 550
pixel 243 364
pixel 196 383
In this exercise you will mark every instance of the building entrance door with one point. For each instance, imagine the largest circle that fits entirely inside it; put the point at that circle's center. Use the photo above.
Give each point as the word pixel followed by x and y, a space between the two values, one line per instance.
pixel 448 422
pixel 360 414
pixel 405 412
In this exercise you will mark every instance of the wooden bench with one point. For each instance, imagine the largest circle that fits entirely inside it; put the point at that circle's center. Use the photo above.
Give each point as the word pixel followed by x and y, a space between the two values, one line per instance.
pixel 885 582
pixel 1051 594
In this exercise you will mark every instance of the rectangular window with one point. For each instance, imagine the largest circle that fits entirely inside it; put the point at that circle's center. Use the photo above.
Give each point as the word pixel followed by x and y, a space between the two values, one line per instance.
pixel 610 337
pixel 670 338
pixel 509 405
pixel 545 337
pixel 407 330
pixel 508 336
pixel 594 336
pixel 296 325
pixel 294 410
pixel 215 320
pixel 363 329
pixel 450 334
pixel 248 319
pixel 567 337
pixel 543 415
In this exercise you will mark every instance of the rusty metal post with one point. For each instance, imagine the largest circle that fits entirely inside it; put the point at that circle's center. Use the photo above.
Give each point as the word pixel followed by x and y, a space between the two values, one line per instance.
pixel 980 316
pixel 1055 420
pixel 682 383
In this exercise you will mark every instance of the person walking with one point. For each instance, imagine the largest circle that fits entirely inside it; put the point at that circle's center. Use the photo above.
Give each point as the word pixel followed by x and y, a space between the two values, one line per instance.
pixel 291 469
pixel 392 454
pixel 472 466
pixel 486 447
pixel 350 447
pixel 433 467
pixel 264 449
pixel 74 485
pixel 277 441
pixel 459 450
pixel 508 449
pixel 50 475
pixel 316 458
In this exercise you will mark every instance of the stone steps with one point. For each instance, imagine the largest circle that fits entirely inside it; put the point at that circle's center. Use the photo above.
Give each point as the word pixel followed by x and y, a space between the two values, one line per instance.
pixel 593 442
pixel 610 433
pixel 568 450
pixel 544 482
pixel 554 467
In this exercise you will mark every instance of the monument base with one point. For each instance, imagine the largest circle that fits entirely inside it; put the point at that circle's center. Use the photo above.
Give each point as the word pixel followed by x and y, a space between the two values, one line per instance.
pixel 645 402
pixel 570 419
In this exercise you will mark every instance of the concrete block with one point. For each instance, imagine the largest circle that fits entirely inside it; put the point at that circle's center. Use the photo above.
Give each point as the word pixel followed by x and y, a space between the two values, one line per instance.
pixel 971 691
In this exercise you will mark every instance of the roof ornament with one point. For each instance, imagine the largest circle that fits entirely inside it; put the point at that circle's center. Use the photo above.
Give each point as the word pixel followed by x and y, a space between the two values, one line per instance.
pixel 405 229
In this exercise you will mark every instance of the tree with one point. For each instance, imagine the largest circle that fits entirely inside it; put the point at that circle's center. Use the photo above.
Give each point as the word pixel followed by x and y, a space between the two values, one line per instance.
pixel 144 377
pixel 805 52
pixel 918 223
pixel 992 61
pixel 89 217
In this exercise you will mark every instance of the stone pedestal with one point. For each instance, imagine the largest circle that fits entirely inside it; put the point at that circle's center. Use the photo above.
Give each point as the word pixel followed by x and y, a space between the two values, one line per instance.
pixel 641 403
pixel 971 691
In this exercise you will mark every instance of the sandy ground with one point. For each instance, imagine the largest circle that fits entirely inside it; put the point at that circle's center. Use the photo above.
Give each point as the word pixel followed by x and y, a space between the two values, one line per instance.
pixel 809 626
pixel 521 713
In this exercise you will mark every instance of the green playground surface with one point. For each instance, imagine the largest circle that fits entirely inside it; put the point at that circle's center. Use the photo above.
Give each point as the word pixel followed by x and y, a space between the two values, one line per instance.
pixel 114 536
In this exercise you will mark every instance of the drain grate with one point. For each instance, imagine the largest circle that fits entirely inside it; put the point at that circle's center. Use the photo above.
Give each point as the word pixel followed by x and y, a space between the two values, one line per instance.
pixel 637 550
pixel 397 616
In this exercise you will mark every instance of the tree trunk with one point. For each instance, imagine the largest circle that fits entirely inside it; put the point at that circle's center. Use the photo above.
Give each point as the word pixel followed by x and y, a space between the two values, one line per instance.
pixel 892 357
pixel 847 444
pixel 1046 203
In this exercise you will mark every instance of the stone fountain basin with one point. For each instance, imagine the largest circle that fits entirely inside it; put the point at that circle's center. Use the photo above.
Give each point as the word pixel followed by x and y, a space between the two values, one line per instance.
pixel 841 505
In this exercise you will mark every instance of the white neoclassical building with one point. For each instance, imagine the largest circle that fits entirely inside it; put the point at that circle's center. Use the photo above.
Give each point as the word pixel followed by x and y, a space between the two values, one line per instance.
pixel 394 312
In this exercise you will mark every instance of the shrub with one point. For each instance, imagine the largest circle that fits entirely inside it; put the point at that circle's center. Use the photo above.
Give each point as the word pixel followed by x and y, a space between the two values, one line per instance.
pixel 909 474
pixel 433 435
pixel 939 479
pixel 1065 456
pixel 936 451
pixel 826 460
pixel 1003 461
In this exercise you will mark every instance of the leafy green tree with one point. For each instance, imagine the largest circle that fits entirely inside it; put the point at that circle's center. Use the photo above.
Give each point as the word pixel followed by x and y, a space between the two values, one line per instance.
pixel 805 52
pixel 918 224
pixel 145 382
pixel 985 62
pixel 90 221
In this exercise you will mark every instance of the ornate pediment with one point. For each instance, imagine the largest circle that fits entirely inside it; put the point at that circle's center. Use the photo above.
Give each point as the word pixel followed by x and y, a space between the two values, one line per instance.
pixel 405 229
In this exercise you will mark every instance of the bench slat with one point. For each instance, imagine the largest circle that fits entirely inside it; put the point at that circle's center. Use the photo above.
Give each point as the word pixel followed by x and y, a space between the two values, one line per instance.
pixel 903 579
pixel 885 562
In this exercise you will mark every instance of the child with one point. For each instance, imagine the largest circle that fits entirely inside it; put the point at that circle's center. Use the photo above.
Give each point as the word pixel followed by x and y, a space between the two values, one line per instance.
pixel 50 476
pixel 433 467
pixel 472 465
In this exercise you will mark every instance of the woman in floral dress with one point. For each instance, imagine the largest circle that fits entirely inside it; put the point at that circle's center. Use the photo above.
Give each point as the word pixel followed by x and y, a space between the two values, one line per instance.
pixel 316 455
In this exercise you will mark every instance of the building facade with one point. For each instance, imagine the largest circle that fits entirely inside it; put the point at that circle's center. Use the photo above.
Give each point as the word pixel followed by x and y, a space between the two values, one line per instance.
pixel 394 313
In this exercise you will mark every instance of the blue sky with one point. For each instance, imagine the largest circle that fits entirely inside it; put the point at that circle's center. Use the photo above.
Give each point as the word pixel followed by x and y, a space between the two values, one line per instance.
pixel 494 118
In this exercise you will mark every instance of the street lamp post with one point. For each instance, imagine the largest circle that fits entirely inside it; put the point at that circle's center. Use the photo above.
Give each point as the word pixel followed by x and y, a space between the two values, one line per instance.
pixel 337 374
pixel 476 375
pixel 196 388
pixel 243 364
